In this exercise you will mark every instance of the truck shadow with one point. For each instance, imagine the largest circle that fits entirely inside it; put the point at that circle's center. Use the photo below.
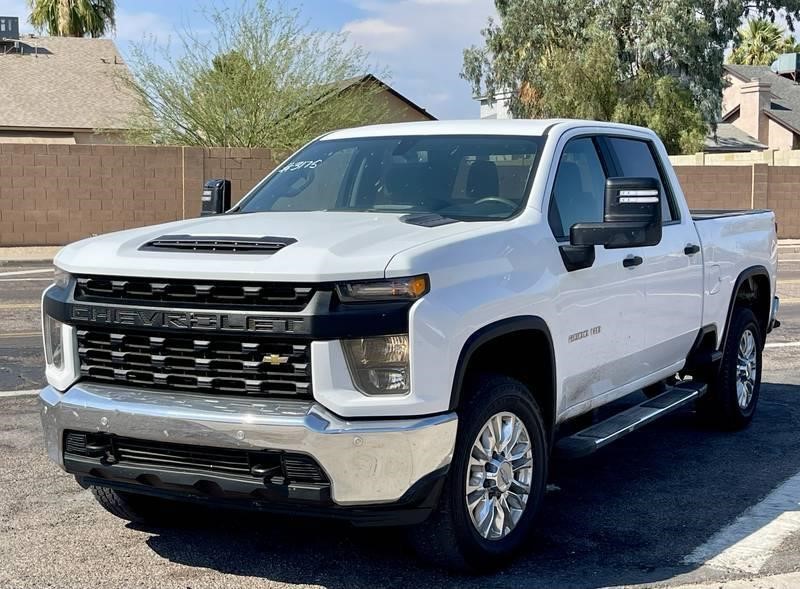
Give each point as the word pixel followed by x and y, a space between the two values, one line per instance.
pixel 629 514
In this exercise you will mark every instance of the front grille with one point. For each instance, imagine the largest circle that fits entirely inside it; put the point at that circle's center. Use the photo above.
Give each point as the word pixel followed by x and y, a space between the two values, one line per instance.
pixel 292 468
pixel 302 468
pixel 194 293
pixel 142 452
pixel 211 364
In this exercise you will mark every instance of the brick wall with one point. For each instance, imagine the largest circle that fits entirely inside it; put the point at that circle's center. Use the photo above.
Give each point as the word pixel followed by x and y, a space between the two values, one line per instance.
pixel 54 194
pixel 755 186
pixel 716 187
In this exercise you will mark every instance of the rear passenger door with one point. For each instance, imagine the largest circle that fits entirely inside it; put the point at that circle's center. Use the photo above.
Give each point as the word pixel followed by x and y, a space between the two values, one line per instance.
pixel 672 271
pixel 600 309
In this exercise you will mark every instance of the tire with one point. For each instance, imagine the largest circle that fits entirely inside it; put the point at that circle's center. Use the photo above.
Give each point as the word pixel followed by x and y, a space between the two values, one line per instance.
pixel 131 507
pixel 449 538
pixel 733 394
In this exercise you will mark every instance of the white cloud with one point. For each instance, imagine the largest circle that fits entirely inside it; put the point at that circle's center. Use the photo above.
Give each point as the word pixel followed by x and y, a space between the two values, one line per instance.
pixel 377 34
pixel 422 43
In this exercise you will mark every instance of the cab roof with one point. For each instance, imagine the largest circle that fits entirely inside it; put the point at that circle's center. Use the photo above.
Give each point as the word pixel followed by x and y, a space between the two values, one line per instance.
pixel 527 127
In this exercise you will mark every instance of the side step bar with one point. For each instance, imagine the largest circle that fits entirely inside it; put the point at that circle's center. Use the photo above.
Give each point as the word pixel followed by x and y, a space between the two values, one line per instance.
pixel 595 437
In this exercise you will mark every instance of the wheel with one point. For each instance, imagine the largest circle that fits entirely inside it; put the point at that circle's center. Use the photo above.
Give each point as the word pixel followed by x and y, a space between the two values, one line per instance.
pixel 496 481
pixel 131 507
pixel 733 395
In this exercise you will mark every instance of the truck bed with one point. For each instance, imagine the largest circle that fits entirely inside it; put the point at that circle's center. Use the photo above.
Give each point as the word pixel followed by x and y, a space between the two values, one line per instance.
pixel 732 242
pixel 704 214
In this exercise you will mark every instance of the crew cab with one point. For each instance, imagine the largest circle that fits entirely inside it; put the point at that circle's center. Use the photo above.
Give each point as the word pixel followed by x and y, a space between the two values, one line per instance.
pixel 404 324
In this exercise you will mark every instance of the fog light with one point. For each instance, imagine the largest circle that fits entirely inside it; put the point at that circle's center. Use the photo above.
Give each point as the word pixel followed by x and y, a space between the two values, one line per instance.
pixel 53 342
pixel 379 365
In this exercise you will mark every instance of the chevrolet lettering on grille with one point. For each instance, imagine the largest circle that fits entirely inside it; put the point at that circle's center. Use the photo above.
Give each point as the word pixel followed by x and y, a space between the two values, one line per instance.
pixel 184 320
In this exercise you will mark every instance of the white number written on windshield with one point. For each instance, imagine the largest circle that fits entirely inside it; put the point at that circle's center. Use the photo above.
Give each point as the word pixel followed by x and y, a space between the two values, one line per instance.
pixel 306 164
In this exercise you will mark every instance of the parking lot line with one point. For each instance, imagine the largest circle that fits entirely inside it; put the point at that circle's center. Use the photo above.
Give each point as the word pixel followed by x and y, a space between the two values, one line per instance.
pixel 789 300
pixel 20 334
pixel 26 272
pixel 7 306
pixel 27 393
pixel 749 542
pixel 782 345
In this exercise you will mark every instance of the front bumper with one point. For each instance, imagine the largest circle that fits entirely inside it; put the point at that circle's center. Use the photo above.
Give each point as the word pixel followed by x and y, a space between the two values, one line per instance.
pixel 367 461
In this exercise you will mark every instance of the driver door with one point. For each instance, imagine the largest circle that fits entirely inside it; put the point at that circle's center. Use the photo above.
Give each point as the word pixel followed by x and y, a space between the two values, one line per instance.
pixel 600 309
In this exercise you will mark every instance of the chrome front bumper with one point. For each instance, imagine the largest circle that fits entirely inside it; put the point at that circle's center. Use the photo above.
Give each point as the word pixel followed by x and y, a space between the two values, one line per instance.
pixel 368 462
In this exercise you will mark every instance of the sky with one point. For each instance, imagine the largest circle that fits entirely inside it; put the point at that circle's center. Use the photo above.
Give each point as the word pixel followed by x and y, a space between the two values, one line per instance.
pixel 420 42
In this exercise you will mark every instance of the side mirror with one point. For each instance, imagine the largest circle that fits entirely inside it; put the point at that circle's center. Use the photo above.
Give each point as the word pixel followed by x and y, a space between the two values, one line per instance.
pixel 216 197
pixel 632 216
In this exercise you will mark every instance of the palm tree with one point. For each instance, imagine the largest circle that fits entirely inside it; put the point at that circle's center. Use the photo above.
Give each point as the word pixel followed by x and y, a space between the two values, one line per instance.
pixel 761 42
pixel 72 18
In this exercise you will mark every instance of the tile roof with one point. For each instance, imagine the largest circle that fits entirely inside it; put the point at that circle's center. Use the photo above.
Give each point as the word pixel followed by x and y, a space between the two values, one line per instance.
pixel 785 105
pixel 65 83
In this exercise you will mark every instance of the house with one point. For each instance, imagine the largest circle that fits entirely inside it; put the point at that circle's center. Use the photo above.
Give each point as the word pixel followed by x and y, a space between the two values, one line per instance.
pixel 61 89
pixel 764 102
pixel 496 107
pixel 399 109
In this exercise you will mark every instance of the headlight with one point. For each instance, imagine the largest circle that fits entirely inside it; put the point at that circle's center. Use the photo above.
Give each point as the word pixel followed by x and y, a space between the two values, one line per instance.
pixel 60 278
pixel 53 342
pixel 379 365
pixel 392 289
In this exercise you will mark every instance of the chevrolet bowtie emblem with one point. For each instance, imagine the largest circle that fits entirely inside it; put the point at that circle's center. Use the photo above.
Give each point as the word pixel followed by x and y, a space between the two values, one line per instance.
pixel 275 359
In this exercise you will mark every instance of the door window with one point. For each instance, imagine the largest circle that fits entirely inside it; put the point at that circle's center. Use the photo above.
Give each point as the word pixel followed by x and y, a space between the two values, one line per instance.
pixel 635 158
pixel 578 191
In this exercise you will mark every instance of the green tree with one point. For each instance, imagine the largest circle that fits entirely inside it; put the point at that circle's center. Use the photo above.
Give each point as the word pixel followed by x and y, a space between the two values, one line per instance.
pixel 72 18
pixel 262 79
pixel 761 42
pixel 650 62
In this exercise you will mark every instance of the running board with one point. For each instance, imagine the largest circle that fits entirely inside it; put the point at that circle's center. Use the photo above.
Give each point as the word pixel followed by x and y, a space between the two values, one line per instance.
pixel 595 437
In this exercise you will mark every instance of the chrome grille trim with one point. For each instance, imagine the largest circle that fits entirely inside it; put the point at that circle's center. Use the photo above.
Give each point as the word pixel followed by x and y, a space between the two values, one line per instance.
pixel 211 364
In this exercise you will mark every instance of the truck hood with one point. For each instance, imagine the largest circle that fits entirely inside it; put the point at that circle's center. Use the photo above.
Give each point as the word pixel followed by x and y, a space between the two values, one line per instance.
pixel 328 246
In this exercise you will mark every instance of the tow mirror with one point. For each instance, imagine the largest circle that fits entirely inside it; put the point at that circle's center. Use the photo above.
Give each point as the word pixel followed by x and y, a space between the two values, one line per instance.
pixel 632 216
pixel 216 197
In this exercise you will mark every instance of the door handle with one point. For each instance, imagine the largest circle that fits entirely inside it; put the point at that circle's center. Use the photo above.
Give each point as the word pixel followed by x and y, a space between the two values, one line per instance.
pixel 632 261
pixel 691 249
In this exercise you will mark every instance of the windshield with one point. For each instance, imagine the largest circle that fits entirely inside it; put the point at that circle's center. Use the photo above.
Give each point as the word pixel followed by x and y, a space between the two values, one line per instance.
pixel 468 178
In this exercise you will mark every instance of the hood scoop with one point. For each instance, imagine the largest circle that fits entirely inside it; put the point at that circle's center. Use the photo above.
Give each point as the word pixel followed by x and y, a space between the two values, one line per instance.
pixel 217 244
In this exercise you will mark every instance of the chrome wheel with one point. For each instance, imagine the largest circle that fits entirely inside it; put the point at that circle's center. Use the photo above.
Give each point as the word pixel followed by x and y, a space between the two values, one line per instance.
pixel 746 369
pixel 499 475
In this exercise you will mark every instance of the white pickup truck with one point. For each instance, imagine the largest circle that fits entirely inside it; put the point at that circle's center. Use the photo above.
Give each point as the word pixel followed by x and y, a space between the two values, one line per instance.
pixel 400 325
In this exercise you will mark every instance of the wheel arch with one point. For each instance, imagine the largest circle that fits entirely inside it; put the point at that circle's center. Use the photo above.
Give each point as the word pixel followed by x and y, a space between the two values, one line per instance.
pixel 484 346
pixel 752 289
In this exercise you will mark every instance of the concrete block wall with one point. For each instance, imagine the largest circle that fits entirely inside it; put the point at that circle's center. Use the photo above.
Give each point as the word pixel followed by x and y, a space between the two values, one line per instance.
pixel 755 186
pixel 55 194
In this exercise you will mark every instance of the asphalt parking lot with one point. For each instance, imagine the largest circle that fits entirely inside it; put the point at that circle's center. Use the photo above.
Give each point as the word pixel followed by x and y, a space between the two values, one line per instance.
pixel 671 505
